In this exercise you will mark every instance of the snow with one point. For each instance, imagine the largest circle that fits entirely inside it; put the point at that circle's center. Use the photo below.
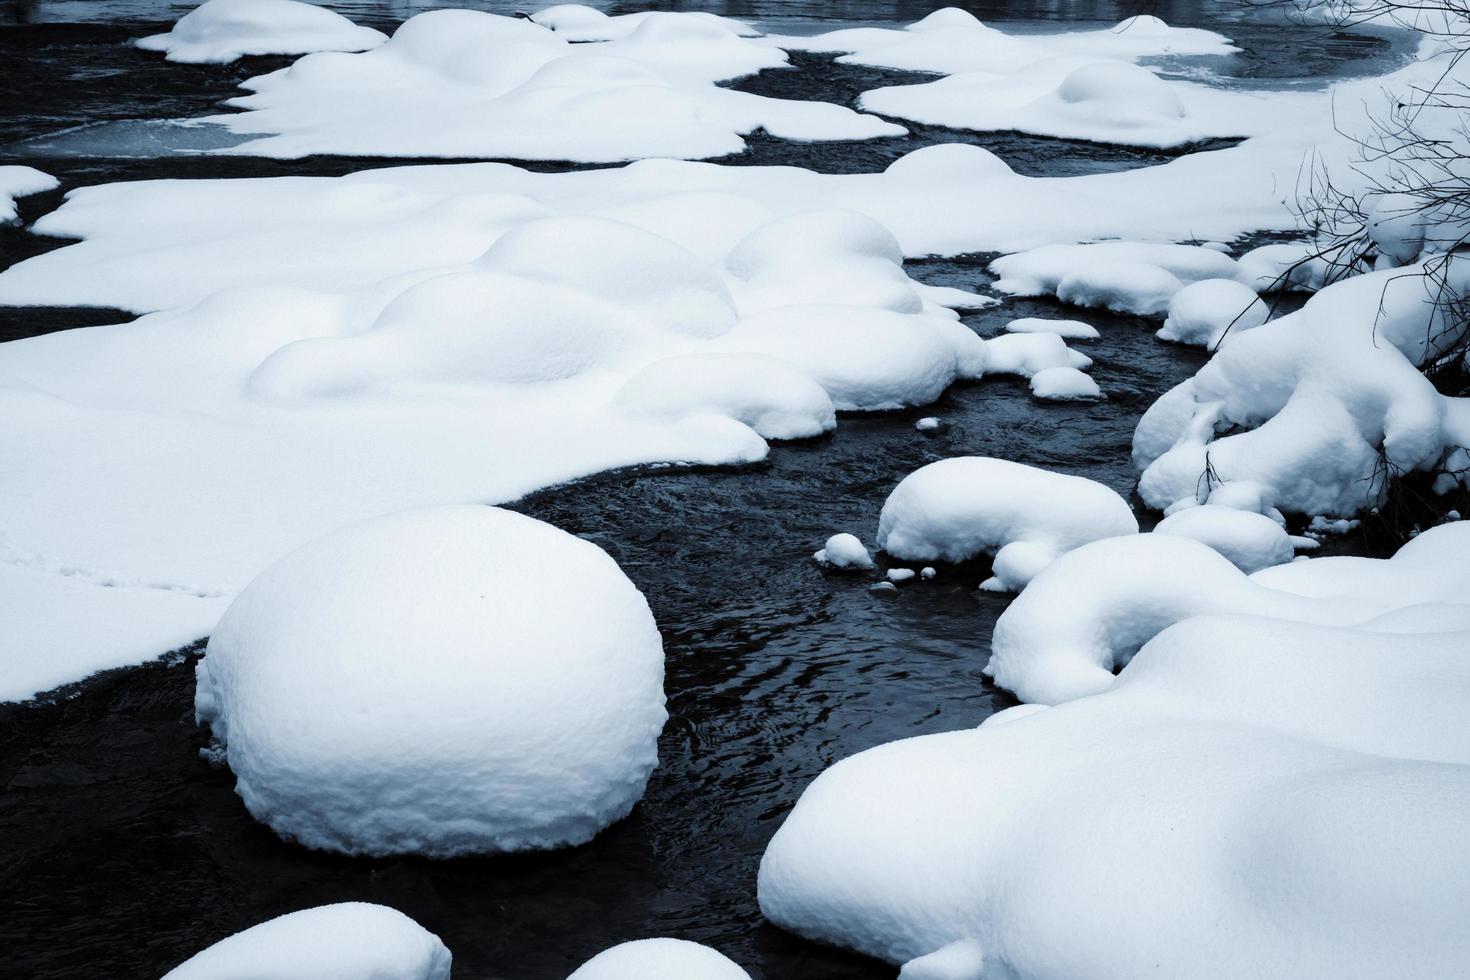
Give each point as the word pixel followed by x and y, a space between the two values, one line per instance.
pixel 929 423
pixel 347 941
pixel 844 550
pixel 899 574
pixel 1066 329
pixel 576 22
pixel 444 681
pixel 774 398
pixel 17 181
pixel 225 30
pixel 957 509
pixel 1064 384
pixel 1288 798
pixel 1205 313
pixel 1094 607
pixel 1323 397
pixel 1251 541
pixel 1029 353
pixel 462 83
pixel 1126 277
pixel 1284 267
pixel 659 959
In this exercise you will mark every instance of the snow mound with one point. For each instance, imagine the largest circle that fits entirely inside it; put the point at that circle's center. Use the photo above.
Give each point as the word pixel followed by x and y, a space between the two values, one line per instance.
pixel 17 181
pixel 1091 610
pixel 1064 384
pixel 225 30
pixel 462 83
pixel 844 551
pixel 427 683
pixel 1205 313
pixel 659 959
pixel 771 396
pixel 576 22
pixel 1249 540
pixel 956 509
pixel 1066 329
pixel 1126 277
pixel 1330 400
pixel 1283 267
pixel 1289 798
pixel 347 941
pixel 1027 354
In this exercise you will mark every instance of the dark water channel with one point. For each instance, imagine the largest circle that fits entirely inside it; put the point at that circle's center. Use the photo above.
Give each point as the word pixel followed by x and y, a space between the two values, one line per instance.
pixel 121 853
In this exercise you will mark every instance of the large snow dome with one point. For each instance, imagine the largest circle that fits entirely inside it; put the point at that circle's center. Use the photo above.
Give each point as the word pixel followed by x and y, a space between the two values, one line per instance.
pixel 346 941
pixel 443 681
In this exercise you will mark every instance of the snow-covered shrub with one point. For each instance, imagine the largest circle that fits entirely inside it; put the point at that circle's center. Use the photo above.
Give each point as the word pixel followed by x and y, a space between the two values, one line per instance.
pixel 445 681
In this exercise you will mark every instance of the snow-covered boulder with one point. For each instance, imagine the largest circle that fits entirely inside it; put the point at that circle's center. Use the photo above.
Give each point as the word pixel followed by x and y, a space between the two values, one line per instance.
pixel 446 681
pixel 1064 384
pixel 347 941
pixel 1066 329
pixel 1092 609
pixel 957 509
pixel 1289 799
pixel 1283 267
pixel 1126 277
pixel 1204 313
pixel 577 22
pixel 17 181
pixel 1250 540
pixel 659 959
pixel 1319 406
pixel 844 550
pixel 771 396
pixel 224 30
pixel 1026 354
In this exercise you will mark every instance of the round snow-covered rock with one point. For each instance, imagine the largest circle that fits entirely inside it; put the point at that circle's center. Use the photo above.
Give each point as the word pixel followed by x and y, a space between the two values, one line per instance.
pixel 446 681
pixel 224 30
pixel 956 509
pixel 1250 540
pixel 768 394
pixel 1064 384
pixel 347 941
pixel 659 959
pixel 1204 313
pixel 844 551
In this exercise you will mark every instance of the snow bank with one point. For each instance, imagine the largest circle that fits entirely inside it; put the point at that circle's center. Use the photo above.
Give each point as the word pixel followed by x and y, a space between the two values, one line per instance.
pixel 224 30
pixel 1066 329
pixel 1288 798
pixel 659 959
pixel 347 941
pixel 1249 540
pixel 844 550
pixel 445 681
pixel 1204 313
pixel 1064 384
pixel 1126 277
pixel 956 509
pixel 17 181
pixel 461 83
pixel 774 398
pixel 576 22
pixel 1330 400
pixel 1091 610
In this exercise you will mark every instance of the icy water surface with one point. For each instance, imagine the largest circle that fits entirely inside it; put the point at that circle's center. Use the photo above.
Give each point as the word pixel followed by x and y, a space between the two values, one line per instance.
pixel 122 853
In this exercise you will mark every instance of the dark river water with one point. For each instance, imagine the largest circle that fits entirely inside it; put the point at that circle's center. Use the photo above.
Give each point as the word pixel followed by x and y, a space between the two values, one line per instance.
pixel 122 853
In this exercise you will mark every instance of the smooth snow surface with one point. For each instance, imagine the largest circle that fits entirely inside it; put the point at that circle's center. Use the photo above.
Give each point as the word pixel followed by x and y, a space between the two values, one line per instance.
pixel 1125 277
pixel 463 83
pixel 17 181
pixel 576 22
pixel 659 959
pixel 957 509
pixel 1250 540
pixel 844 550
pixel 1094 607
pixel 445 681
pixel 1064 384
pixel 774 398
pixel 1205 313
pixel 1319 400
pixel 1066 329
pixel 1288 798
pixel 348 941
pixel 224 30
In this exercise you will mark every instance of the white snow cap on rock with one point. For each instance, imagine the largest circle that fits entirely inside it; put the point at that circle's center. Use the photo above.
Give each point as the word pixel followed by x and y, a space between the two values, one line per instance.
pixel 844 550
pixel 957 509
pixel 1250 540
pixel 446 681
pixel 1125 277
pixel 577 22
pixel 1289 798
pixel 1092 609
pixel 1064 384
pixel 17 181
pixel 659 959
pixel 224 30
pixel 347 941
pixel 774 398
pixel 1066 329
pixel 1205 313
